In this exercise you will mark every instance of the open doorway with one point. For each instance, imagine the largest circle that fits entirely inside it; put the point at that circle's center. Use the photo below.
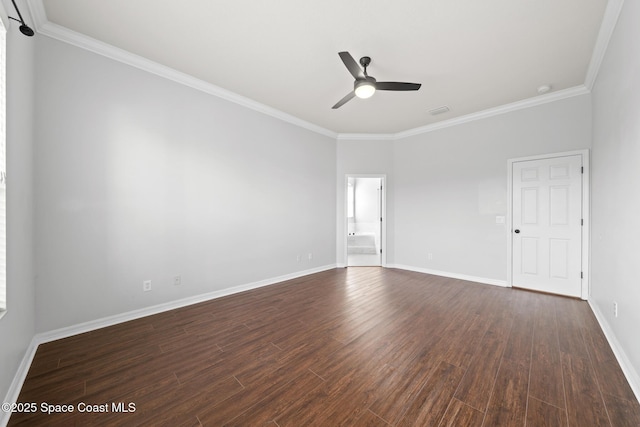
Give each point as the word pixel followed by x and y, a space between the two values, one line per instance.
pixel 365 220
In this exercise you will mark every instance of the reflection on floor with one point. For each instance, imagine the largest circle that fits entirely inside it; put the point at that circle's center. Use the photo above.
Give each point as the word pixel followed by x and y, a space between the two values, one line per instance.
pixel 363 260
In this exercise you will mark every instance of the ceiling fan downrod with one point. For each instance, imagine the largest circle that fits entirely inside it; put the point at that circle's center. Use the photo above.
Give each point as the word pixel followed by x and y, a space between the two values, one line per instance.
pixel 365 61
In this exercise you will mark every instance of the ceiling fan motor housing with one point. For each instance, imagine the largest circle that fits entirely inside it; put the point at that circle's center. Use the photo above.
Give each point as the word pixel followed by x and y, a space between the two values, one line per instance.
pixel 366 80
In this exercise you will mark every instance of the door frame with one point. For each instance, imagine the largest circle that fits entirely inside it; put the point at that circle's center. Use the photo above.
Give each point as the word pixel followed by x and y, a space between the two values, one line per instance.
pixel 586 288
pixel 383 212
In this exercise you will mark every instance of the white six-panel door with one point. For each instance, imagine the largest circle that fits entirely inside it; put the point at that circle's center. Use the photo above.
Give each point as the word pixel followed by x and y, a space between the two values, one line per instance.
pixel 547 225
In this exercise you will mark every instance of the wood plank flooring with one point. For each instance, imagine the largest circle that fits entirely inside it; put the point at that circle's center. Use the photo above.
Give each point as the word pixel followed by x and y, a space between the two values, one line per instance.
pixel 357 347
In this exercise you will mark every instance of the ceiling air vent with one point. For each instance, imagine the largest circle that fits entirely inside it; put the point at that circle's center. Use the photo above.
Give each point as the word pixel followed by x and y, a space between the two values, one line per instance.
pixel 439 110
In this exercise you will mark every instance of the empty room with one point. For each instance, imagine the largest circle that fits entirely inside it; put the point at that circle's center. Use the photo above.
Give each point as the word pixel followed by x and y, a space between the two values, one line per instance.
pixel 338 213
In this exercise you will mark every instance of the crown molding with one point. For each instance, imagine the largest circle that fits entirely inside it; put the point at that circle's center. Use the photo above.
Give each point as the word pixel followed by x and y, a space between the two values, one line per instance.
pixel 507 108
pixel 38 13
pixel 366 137
pixel 63 34
pixel 503 109
pixel 43 26
pixel 609 22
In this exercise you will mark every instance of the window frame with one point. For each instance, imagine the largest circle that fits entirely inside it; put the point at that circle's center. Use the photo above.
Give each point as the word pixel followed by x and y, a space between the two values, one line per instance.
pixel 4 27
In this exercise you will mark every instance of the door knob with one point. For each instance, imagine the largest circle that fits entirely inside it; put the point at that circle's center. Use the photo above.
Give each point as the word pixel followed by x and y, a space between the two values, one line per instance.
pixel 516 231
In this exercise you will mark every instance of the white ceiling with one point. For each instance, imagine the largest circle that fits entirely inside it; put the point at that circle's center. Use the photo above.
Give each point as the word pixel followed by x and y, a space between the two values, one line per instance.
pixel 469 55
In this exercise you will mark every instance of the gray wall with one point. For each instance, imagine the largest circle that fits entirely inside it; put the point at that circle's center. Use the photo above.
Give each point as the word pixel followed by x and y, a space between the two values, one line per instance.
pixel 451 183
pixel 138 178
pixel 17 327
pixel 615 193
pixel 135 177
pixel 445 187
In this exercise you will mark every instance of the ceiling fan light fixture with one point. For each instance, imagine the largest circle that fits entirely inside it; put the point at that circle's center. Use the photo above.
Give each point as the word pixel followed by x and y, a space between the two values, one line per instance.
pixel 364 89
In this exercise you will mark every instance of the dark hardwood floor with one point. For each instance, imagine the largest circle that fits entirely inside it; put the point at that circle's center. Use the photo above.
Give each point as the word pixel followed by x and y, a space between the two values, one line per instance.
pixel 356 347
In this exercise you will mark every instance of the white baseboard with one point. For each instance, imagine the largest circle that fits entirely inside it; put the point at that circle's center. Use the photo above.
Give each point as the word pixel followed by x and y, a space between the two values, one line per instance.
pixel 41 338
pixel 633 378
pixel 148 311
pixel 494 282
pixel 18 380
pixel 627 367
pixel 16 385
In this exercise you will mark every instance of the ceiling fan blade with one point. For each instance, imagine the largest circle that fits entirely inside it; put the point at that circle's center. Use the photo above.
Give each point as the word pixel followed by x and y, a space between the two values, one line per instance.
pixel 351 65
pixel 397 86
pixel 344 100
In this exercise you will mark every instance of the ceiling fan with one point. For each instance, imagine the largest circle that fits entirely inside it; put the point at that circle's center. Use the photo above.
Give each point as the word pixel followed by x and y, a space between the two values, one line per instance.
pixel 365 85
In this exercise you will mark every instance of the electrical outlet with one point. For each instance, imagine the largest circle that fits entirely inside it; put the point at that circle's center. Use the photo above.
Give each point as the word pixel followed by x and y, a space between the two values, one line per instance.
pixel 298 258
pixel 146 285
pixel 430 256
pixel 177 280
pixel 615 309
pixel 310 256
